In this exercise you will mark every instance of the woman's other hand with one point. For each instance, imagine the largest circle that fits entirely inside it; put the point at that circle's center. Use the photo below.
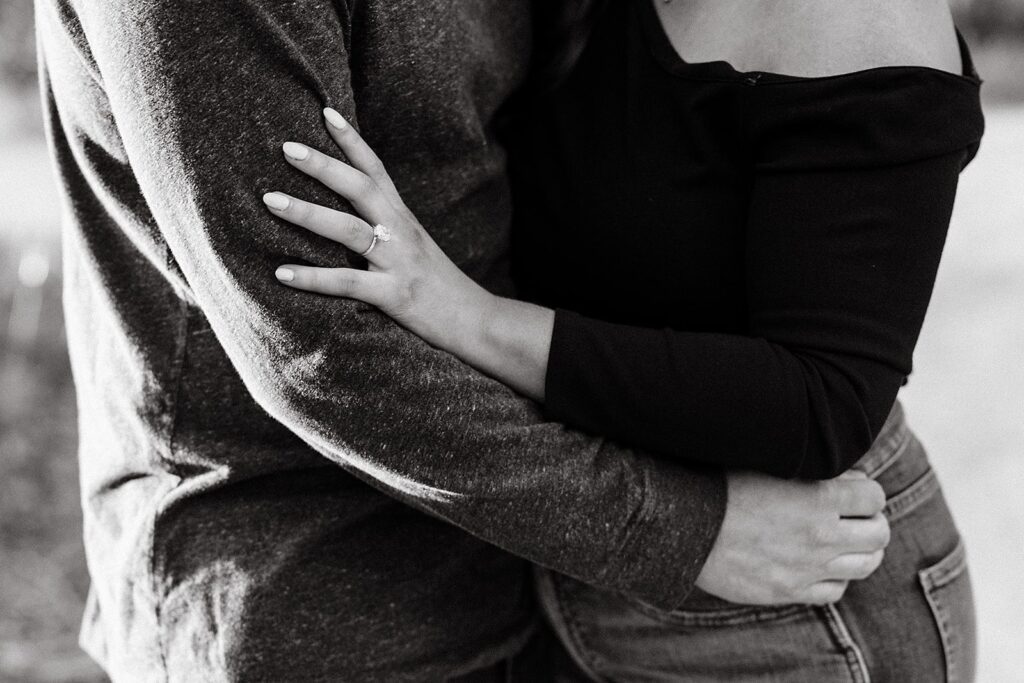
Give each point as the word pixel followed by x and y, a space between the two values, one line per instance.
pixel 786 541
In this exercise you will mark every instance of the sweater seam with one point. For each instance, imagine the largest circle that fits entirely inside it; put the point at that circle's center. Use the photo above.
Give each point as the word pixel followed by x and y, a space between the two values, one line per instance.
pixel 174 401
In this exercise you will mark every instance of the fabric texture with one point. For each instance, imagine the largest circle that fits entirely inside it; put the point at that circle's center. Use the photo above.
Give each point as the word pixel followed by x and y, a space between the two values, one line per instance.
pixel 742 261
pixel 280 486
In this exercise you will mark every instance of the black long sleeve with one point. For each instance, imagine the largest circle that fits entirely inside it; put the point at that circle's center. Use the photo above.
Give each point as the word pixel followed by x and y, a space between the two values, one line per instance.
pixel 849 184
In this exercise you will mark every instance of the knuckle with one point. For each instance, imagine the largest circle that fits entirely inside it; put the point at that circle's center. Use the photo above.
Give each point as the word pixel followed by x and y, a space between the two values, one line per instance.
pixel 347 279
pixel 317 162
pixel 299 210
pixel 334 282
pixel 310 277
pixel 877 559
pixel 418 237
pixel 822 534
pixel 402 295
pixel 320 279
pixel 375 167
pixel 884 533
pixel 783 585
pixel 877 496
pixel 828 494
pixel 365 185
pixel 351 226
pixel 776 580
pixel 865 566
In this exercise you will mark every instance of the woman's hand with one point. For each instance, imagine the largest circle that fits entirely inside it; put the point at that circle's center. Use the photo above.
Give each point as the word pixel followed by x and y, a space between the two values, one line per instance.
pixel 409 277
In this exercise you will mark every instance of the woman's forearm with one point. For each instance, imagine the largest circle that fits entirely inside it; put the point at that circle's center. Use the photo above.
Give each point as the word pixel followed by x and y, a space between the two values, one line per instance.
pixel 508 340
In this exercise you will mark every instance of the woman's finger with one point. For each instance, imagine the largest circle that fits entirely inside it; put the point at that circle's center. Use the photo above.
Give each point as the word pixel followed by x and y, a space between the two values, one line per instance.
pixel 344 228
pixel 864 535
pixel 824 592
pixel 858 496
pixel 371 287
pixel 358 152
pixel 855 566
pixel 352 184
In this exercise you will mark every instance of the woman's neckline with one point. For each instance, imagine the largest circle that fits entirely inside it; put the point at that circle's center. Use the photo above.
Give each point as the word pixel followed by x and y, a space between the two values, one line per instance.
pixel 665 53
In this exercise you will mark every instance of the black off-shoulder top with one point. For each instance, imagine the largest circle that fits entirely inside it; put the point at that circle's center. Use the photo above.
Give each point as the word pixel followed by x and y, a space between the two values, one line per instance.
pixel 740 261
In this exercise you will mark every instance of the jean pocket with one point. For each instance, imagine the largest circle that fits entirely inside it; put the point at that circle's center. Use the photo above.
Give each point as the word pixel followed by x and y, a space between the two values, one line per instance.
pixel 710 612
pixel 615 638
pixel 947 588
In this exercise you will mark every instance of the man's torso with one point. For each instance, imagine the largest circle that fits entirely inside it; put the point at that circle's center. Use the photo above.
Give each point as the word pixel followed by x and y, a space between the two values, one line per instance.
pixel 220 544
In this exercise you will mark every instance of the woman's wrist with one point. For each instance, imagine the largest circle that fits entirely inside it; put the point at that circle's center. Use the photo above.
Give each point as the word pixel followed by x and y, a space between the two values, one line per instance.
pixel 468 331
pixel 511 343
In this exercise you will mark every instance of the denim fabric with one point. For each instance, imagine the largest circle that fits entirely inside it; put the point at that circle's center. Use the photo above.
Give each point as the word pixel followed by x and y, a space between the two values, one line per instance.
pixel 542 660
pixel 911 621
pixel 280 486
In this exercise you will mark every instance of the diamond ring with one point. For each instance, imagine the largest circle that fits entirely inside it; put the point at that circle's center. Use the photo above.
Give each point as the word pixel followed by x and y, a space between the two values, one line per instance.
pixel 380 233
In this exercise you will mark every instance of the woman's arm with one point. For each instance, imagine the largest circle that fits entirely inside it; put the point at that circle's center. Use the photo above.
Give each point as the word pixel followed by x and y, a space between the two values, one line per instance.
pixel 843 245
pixel 840 271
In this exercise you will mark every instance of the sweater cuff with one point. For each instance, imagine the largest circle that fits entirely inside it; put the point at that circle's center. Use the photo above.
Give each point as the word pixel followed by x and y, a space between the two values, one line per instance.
pixel 684 504
pixel 673 535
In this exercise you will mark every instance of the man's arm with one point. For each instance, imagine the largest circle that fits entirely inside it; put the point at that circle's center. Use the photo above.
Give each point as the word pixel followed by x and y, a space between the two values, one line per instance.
pixel 203 95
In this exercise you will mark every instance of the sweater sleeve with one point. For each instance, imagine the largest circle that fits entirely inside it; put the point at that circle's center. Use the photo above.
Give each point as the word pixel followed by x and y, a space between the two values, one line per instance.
pixel 854 183
pixel 203 94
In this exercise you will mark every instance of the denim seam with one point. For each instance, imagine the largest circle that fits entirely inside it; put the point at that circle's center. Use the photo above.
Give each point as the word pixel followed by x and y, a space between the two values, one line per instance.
pixel 736 616
pixel 933 578
pixel 895 444
pixel 913 497
pixel 947 570
pixel 578 646
pixel 851 651
pixel 895 448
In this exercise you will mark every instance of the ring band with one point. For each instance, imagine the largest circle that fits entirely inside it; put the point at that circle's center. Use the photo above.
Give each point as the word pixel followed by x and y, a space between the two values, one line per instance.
pixel 373 243
pixel 380 233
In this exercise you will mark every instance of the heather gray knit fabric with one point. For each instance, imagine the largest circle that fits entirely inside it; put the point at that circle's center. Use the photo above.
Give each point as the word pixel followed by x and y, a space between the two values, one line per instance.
pixel 279 486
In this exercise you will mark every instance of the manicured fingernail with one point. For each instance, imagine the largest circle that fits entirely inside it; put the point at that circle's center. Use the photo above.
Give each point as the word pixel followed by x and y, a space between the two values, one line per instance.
pixel 335 119
pixel 296 151
pixel 276 201
pixel 285 274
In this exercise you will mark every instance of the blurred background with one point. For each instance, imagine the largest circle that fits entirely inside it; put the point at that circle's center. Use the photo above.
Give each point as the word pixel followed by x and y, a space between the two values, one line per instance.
pixel 965 399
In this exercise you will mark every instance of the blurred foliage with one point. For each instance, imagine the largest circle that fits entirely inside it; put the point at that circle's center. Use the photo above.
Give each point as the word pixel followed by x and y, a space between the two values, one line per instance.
pixel 990 20
pixel 43 579
pixel 17 44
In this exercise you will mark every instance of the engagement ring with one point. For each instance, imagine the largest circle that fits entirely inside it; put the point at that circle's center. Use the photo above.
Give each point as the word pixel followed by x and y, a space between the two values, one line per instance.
pixel 380 232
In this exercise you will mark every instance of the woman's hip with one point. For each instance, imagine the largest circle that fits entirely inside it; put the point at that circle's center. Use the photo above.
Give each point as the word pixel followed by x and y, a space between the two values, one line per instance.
pixel 912 620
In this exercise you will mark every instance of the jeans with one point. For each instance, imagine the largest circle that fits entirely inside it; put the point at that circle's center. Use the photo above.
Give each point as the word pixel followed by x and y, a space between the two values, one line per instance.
pixel 542 660
pixel 912 620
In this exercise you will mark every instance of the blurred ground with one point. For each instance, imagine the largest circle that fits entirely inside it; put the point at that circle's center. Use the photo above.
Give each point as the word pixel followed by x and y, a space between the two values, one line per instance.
pixel 966 398
pixel 43 578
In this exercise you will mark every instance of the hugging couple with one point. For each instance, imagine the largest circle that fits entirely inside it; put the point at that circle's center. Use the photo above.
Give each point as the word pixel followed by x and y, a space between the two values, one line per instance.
pixel 489 340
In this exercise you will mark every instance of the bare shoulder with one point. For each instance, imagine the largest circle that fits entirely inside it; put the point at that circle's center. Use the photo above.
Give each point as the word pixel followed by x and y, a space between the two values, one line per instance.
pixel 814 37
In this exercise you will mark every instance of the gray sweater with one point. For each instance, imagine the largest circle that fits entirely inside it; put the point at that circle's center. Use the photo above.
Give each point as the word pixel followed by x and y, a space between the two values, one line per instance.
pixel 281 486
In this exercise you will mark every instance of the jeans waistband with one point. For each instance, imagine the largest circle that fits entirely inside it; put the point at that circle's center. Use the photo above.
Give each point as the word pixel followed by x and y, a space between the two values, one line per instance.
pixel 896 459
